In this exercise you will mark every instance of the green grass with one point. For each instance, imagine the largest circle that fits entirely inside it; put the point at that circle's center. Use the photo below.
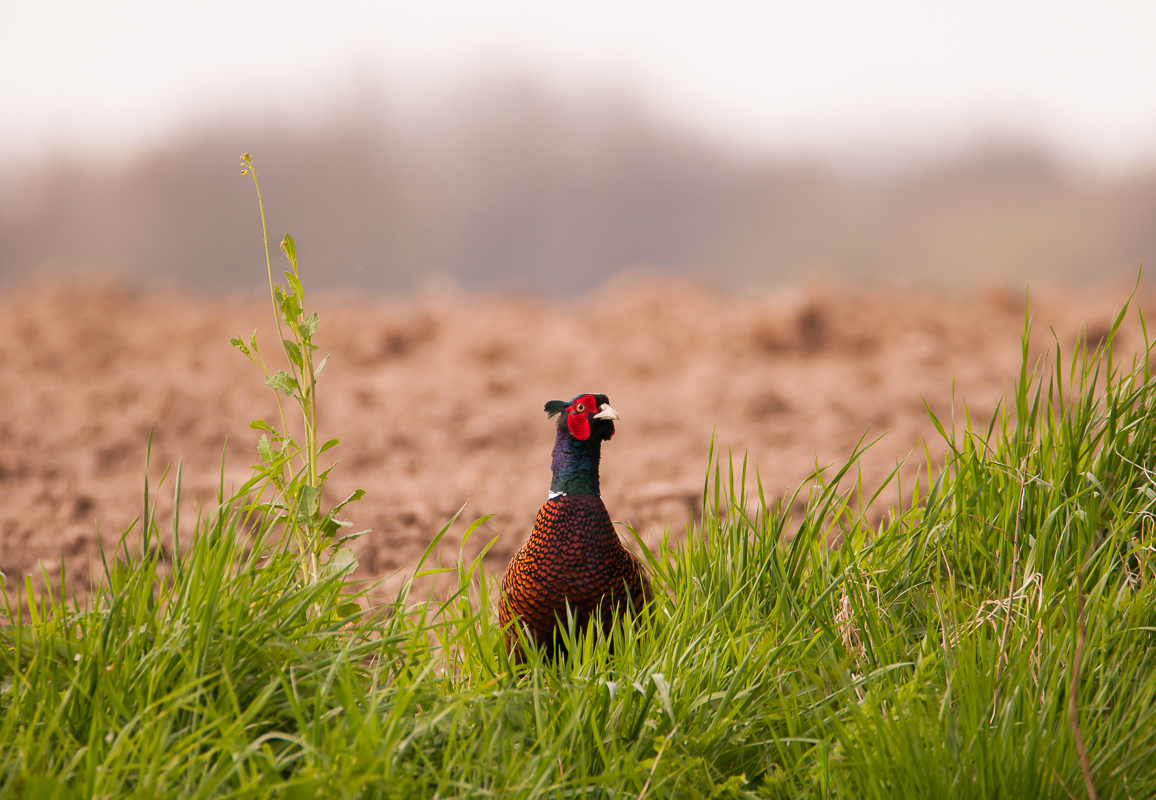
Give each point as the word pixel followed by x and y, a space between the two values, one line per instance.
pixel 939 653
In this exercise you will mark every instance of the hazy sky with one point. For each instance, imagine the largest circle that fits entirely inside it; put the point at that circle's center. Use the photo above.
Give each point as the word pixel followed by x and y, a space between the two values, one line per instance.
pixel 104 78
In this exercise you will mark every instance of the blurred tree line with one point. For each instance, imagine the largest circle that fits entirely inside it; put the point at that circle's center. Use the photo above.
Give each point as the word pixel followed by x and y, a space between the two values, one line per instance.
pixel 505 186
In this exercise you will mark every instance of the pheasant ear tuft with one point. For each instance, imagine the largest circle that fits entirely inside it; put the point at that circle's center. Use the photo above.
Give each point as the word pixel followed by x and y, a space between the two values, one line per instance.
pixel 555 407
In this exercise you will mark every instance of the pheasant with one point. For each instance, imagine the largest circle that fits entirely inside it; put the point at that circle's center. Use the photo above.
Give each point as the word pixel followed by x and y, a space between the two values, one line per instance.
pixel 573 555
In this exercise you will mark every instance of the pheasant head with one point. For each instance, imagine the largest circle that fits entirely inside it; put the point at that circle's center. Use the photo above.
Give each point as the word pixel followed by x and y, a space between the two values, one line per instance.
pixel 583 424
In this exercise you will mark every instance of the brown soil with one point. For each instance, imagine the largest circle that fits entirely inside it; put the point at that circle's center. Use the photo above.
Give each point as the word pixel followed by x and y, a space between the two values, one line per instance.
pixel 438 399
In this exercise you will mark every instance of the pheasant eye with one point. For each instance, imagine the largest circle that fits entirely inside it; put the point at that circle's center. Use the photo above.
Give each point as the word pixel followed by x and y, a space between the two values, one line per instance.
pixel 581 408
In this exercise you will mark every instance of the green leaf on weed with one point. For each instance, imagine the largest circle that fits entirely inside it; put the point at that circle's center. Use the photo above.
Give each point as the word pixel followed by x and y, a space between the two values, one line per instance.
pixel 293 351
pixel 262 425
pixel 308 500
pixel 265 449
pixel 331 523
pixel 357 495
pixel 289 247
pixel 296 286
pixel 309 325
pixel 290 309
pixel 344 560
pixel 348 610
pixel 350 537
pixel 329 444
pixel 283 381
pixel 239 343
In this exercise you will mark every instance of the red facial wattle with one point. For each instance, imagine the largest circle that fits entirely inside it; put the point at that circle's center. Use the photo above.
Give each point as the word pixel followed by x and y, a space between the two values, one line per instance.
pixel 578 418
pixel 579 425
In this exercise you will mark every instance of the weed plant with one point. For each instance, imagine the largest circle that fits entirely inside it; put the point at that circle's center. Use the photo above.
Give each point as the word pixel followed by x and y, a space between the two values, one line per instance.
pixel 987 639
pixel 290 471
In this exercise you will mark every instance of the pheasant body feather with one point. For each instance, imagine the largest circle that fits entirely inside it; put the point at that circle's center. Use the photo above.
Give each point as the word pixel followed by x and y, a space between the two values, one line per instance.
pixel 573 557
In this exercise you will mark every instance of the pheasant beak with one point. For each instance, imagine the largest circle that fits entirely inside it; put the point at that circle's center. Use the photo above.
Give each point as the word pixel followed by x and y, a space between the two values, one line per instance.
pixel 606 412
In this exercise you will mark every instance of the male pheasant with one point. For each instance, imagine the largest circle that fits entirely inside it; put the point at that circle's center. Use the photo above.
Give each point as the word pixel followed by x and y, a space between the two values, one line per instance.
pixel 573 556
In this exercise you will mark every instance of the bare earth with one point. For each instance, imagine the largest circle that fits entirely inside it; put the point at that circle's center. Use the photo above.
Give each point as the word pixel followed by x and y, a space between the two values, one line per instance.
pixel 438 399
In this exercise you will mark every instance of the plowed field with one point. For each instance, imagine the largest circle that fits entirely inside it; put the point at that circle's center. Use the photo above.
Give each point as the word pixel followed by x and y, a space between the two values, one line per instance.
pixel 438 398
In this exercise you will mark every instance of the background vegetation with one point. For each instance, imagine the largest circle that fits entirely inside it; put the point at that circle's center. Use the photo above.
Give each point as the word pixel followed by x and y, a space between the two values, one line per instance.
pixel 509 186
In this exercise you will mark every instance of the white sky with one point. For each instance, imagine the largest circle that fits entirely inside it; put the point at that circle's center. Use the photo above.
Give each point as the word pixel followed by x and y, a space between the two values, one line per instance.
pixel 105 78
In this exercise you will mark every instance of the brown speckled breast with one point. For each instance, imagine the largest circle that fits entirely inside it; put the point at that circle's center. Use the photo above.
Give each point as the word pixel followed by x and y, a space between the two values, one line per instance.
pixel 573 556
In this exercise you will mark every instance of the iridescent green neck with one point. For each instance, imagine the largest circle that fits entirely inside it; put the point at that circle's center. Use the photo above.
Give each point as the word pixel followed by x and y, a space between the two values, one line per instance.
pixel 575 464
